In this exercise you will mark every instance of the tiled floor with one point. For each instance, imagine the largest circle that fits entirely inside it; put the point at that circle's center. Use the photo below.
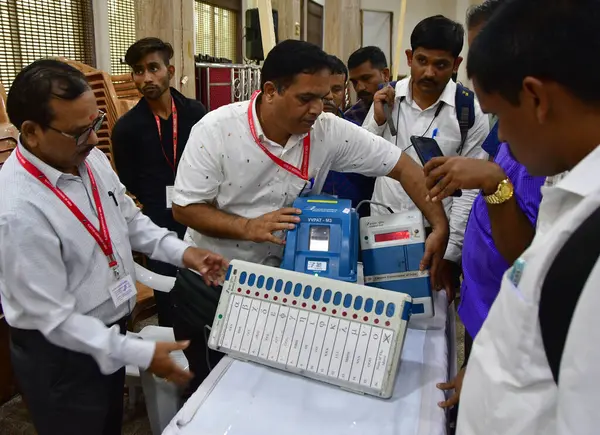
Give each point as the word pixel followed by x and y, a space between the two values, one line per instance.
pixel 14 418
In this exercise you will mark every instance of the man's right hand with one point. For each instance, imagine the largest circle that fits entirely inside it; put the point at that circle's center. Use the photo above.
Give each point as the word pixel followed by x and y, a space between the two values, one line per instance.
pixel 261 229
pixel 456 385
pixel 164 366
pixel 385 95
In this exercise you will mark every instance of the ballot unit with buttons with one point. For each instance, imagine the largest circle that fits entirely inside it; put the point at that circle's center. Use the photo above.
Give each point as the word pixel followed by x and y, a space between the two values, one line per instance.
pixel 327 330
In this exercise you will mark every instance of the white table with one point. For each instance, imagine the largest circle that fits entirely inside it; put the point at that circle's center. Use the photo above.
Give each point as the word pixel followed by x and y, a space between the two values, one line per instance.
pixel 245 398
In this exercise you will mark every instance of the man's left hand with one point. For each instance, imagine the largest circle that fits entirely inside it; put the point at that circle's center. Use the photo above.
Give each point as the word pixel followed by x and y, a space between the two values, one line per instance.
pixel 212 266
pixel 435 248
pixel 446 175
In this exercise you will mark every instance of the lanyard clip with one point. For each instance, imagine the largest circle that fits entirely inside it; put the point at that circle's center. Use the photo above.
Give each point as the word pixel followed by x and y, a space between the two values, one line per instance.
pixel 114 265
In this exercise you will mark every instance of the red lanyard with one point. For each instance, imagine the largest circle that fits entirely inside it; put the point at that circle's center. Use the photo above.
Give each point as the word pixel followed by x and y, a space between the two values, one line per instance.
pixel 102 236
pixel 157 119
pixel 285 165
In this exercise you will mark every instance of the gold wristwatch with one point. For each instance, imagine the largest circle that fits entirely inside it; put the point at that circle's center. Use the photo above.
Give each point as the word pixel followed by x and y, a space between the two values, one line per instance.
pixel 503 193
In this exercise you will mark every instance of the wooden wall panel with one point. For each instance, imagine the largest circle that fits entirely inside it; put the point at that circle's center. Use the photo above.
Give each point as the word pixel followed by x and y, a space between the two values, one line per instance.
pixel 171 21
pixel 289 18
pixel 342 27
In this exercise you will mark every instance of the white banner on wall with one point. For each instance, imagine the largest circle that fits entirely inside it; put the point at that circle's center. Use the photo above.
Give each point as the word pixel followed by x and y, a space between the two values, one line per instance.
pixel 377 31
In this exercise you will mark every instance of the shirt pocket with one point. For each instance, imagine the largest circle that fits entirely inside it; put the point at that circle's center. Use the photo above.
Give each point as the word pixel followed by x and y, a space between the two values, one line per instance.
pixel 448 145
pixel 295 187
pixel 514 318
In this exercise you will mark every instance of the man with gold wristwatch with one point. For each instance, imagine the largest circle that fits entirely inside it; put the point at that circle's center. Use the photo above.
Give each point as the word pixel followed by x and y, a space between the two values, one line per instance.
pixel 500 227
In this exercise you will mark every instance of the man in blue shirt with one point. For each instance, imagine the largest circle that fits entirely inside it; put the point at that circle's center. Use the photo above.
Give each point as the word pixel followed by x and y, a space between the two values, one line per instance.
pixel 355 187
pixel 368 70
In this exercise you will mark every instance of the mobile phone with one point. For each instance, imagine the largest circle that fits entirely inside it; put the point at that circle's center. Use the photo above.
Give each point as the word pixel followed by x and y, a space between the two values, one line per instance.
pixel 390 121
pixel 427 148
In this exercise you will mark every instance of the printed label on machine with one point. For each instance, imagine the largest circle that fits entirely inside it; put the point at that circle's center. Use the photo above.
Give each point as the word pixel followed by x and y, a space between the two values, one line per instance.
pixel 317 266
pixel 395 276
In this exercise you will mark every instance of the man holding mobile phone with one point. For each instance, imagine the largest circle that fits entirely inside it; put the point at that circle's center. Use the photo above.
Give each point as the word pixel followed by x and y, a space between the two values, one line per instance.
pixel 429 104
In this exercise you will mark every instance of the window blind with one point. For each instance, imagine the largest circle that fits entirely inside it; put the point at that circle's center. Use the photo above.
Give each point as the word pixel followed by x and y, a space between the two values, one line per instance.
pixel 215 31
pixel 121 33
pixel 32 29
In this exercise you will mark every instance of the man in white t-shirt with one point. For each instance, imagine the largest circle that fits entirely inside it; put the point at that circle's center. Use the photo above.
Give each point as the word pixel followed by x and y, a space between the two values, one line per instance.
pixel 246 163
pixel 534 366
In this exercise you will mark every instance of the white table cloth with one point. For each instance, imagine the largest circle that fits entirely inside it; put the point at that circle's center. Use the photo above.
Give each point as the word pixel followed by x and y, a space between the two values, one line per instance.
pixel 242 398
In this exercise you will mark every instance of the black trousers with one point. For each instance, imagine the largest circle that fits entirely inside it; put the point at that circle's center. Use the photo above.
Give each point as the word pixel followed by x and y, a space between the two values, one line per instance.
pixel 65 391
pixel 194 307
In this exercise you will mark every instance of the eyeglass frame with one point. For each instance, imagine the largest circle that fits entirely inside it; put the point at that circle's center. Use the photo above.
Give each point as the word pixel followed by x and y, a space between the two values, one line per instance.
pixel 96 125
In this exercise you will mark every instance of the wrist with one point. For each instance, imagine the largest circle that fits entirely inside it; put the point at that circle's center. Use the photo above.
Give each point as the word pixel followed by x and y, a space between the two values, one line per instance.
pixel 491 182
pixel 379 121
pixel 184 257
pixel 245 224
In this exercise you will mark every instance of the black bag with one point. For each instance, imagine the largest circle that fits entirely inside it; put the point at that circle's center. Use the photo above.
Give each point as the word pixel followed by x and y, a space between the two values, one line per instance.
pixel 194 305
pixel 195 302
pixel 563 285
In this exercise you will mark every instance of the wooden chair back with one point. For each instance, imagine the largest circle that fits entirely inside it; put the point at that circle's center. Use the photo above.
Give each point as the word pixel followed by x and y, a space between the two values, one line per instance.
pixel 3 113
pixel 107 102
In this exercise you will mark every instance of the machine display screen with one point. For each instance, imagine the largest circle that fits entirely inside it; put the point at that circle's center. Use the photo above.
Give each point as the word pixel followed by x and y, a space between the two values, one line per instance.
pixel 319 238
pixel 396 235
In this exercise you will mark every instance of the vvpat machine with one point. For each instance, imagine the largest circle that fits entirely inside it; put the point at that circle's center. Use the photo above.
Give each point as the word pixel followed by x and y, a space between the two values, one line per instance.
pixel 392 248
pixel 325 241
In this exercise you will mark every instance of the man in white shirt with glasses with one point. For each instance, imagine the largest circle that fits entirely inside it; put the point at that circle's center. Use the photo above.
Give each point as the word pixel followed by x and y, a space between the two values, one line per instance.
pixel 67 277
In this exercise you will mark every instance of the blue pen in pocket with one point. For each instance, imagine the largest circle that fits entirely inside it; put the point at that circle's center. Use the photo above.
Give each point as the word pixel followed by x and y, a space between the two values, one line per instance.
pixel 435 132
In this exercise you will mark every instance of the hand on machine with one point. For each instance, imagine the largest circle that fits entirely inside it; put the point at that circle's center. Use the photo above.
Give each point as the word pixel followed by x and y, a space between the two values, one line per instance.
pixel 211 266
pixel 261 229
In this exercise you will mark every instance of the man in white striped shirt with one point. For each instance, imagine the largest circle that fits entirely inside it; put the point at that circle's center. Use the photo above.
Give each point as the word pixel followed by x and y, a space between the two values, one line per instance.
pixel 67 278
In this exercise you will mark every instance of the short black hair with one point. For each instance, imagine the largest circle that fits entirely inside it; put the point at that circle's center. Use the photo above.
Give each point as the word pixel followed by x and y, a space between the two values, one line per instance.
pixel 288 59
pixel 33 88
pixel 479 14
pixel 337 66
pixel 529 38
pixel 438 33
pixel 368 54
pixel 144 47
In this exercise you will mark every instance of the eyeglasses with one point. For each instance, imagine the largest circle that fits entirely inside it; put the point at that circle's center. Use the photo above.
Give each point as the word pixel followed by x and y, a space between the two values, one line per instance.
pixel 82 138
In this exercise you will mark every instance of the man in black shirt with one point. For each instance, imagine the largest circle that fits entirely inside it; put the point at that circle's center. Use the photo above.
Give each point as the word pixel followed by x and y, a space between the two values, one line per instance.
pixel 148 142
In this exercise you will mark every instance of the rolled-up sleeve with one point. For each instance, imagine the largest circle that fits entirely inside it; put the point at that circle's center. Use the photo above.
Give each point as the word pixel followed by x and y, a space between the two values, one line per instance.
pixel 461 206
pixel 361 151
pixel 199 174
pixel 35 296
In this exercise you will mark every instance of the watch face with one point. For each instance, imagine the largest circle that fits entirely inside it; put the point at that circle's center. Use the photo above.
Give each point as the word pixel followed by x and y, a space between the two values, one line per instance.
pixel 505 190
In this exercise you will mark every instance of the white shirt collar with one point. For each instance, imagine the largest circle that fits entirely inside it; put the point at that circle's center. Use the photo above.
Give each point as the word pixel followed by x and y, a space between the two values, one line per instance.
pixel 403 89
pixel 583 178
pixel 294 139
pixel 51 173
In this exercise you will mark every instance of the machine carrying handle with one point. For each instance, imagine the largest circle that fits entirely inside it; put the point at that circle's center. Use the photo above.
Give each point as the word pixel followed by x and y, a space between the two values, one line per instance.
pixel 368 201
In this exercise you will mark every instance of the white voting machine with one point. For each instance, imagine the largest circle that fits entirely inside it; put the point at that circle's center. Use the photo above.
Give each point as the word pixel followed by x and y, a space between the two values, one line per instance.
pixel 344 334
pixel 243 398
